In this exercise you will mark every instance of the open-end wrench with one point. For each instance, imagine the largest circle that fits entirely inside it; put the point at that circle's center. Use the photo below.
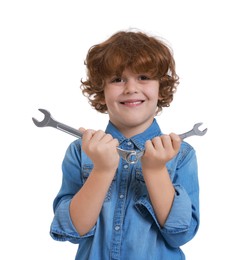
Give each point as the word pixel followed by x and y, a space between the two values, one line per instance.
pixel 49 121
pixel 194 131
pixel 131 156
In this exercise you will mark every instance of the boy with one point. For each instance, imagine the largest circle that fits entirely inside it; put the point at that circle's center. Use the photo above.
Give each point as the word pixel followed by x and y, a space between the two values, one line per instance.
pixel 113 209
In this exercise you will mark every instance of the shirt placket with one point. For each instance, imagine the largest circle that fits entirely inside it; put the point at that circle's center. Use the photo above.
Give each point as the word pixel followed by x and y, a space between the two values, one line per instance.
pixel 120 207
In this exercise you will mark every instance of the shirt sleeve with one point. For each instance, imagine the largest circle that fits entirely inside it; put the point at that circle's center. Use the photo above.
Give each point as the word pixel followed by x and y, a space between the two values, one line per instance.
pixel 183 220
pixel 62 228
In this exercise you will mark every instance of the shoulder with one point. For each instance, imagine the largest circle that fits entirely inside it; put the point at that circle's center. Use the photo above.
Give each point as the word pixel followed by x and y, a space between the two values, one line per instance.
pixel 74 149
pixel 186 153
pixel 184 163
pixel 186 147
pixel 75 145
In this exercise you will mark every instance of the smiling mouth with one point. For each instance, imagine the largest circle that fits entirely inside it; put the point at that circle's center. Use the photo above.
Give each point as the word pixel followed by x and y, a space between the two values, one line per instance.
pixel 132 102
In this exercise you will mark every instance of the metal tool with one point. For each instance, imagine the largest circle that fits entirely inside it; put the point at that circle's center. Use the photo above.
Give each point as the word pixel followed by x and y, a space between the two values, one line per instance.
pixel 49 121
pixel 131 156
pixel 194 131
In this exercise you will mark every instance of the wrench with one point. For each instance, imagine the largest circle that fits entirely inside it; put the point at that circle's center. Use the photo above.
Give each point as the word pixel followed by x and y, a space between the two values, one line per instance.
pixel 49 121
pixel 194 131
pixel 131 156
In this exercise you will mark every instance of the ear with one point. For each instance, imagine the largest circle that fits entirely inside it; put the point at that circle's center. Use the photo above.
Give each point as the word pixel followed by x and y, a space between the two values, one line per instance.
pixel 160 98
pixel 102 101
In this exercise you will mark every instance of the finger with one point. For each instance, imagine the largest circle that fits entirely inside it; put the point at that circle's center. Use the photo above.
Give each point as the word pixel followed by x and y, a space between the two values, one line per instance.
pixel 82 130
pixel 166 142
pixel 98 135
pixel 107 138
pixel 115 142
pixel 149 146
pixel 157 143
pixel 88 134
pixel 176 141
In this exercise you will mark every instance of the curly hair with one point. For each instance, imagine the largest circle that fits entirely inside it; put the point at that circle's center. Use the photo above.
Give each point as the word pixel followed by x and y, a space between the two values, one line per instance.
pixel 135 51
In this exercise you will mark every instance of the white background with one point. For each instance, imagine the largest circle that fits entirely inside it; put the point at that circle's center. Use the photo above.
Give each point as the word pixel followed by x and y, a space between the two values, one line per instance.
pixel 43 46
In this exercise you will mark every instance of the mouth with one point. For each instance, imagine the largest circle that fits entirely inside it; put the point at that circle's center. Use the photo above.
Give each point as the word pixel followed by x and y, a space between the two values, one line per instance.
pixel 132 103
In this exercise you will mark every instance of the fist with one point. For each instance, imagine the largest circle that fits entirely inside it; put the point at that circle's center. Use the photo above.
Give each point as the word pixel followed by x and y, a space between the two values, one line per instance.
pixel 160 150
pixel 101 149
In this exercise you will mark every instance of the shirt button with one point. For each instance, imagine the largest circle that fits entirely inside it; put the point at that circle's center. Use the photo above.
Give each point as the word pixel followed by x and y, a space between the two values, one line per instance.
pixel 125 166
pixel 129 143
pixel 117 228
pixel 121 196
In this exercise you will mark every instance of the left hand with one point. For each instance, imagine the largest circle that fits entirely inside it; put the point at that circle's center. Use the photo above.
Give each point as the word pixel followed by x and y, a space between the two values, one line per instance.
pixel 160 150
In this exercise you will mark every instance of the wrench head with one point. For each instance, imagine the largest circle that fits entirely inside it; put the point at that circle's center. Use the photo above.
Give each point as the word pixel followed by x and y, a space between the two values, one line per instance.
pixel 199 132
pixel 46 119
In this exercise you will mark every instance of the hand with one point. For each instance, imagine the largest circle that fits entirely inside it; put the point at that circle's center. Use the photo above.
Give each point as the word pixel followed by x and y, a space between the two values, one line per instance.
pixel 101 149
pixel 160 150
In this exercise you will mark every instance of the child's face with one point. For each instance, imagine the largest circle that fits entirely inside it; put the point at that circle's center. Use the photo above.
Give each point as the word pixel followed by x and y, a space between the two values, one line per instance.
pixel 131 101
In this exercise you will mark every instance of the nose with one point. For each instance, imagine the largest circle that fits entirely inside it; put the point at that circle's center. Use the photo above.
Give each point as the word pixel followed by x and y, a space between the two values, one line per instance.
pixel 131 86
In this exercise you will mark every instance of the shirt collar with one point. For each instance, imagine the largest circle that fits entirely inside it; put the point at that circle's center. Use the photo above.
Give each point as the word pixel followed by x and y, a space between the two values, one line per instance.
pixel 139 140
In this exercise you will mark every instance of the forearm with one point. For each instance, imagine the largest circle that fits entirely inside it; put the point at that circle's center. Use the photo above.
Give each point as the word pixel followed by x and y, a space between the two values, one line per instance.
pixel 161 192
pixel 86 205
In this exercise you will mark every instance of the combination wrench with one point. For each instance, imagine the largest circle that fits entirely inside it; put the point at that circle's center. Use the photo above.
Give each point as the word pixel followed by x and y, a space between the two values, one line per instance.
pixel 131 156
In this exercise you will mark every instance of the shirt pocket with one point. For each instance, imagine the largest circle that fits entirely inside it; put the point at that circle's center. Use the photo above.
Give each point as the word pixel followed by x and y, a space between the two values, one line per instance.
pixel 86 170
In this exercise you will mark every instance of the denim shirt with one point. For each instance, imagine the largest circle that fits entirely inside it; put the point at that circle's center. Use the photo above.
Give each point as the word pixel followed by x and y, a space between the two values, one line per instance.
pixel 127 227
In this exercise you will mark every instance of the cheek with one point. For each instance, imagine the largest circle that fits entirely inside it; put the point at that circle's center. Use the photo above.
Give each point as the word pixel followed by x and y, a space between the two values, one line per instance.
pixel 111 93
pixel 109 99
pixel 153 93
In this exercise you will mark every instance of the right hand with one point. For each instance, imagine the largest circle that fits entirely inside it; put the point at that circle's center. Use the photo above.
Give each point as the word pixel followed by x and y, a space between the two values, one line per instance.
pixel 101 148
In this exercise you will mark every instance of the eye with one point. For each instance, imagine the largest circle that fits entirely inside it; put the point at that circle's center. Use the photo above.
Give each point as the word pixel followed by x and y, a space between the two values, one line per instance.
pixel 116 80
pixel 144 77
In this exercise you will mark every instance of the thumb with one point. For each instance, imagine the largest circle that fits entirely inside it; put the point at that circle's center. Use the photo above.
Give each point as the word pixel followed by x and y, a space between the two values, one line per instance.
pixel 82 130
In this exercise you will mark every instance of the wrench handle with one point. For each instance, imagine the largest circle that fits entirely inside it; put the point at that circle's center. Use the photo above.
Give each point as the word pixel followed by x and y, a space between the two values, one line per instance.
pixel 185 135
pixel 69 130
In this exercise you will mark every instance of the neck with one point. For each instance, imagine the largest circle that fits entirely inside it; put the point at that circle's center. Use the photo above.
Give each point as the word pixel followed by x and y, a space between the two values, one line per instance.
pixel 129 131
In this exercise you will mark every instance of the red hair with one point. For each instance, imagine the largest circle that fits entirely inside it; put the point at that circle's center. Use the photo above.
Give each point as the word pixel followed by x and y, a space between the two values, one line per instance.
pixel 135 51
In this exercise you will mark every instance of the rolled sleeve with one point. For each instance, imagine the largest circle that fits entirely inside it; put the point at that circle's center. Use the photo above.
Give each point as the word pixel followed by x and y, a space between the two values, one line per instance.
pixel 177 222
pixel 62 228
pixel 183 219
